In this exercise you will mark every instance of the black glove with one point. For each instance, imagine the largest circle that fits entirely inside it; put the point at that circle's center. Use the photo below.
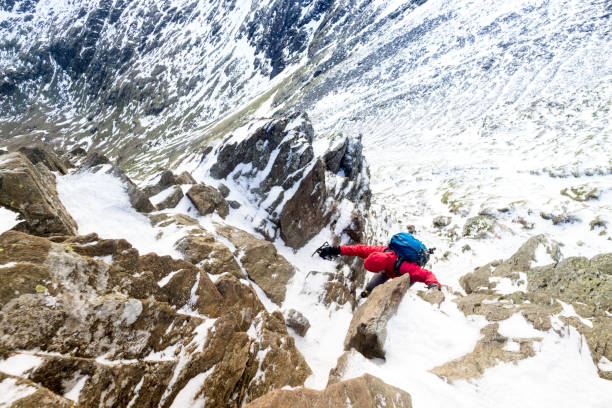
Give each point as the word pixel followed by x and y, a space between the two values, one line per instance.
pixel 433 286
pixel 328 252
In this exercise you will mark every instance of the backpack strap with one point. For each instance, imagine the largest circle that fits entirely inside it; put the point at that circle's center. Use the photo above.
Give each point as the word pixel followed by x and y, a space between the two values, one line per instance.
pixel 397 265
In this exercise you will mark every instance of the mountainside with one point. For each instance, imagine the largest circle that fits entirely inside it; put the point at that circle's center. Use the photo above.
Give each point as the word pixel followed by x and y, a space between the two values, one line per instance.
pixel 169 167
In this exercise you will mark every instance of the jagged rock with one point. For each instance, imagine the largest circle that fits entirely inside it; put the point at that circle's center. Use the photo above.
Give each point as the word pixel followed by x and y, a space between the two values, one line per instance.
pixel 263 264
pixel 488 352
pixel 161 322
pixel 234 204
pixel 208 199
pixel 297 322
pixel 366 391
pixel 205 248
pixel 168 199
pixel 166 179
pixel 31 192
pixel 559 218
pixel 44 156
pixel 278 158
pixel 368 329
pixel 441 221
pixel 306 213
pixel 185 178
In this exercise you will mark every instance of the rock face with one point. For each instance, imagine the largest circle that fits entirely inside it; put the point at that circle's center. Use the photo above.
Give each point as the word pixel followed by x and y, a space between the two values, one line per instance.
pixel 366 391
pixel 261 261
pixel 299 192
pixel 208 199
pixel 368 329
pixel 139 323
pixel 30 191
pixel 41 155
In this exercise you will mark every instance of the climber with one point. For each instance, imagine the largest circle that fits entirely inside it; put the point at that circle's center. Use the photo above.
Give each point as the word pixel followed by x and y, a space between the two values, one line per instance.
pixel 381 260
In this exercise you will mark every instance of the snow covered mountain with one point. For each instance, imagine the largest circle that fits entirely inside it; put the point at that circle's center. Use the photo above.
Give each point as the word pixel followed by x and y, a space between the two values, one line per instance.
pixel 485 126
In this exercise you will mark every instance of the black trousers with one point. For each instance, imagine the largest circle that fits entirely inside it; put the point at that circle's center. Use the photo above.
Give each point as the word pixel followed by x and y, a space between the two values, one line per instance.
pixel 378 279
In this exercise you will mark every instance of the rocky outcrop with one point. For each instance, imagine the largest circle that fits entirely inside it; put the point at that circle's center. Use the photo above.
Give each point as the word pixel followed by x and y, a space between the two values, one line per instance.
pixel 536 292
pixel 41 155
pixel 330 288
pixel 166 180
pixel 96 162
pixel 368 329
pixel 299 192
pixel 207 200
pixel 264 265
pixel 168 198
pixel 201 247
pixel 133 323
pixel 490 350
pixel 366 391
pixel 30 191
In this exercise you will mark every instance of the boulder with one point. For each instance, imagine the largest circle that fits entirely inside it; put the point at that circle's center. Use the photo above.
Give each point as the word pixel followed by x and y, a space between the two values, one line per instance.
pixel 366 391
pixel 297 322
pixel 368 329
pixel 46 157
pixel 31 192
pixel 264 265
pixel 168 198
pixel 185 178
pixel 206 249
pixel 166 179
pixel 144 329
pixel 208 199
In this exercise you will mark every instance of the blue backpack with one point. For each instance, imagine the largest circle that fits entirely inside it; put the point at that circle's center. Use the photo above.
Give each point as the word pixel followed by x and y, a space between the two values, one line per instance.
pixel 409 249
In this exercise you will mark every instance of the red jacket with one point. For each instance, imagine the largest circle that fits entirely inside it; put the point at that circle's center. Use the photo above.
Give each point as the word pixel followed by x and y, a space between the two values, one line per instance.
pixel 377 261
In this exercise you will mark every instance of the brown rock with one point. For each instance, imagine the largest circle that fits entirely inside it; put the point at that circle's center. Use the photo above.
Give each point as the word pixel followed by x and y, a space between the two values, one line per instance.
pixel 366 391
pixel 261 261
pixel 368 329
pixel 185 178
pixel 25 190
pixel 297 322
pixel 46 157
pixel 171 199
pixel 489 352
pixel 205 248
pixel 305 214
pixel 207 199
